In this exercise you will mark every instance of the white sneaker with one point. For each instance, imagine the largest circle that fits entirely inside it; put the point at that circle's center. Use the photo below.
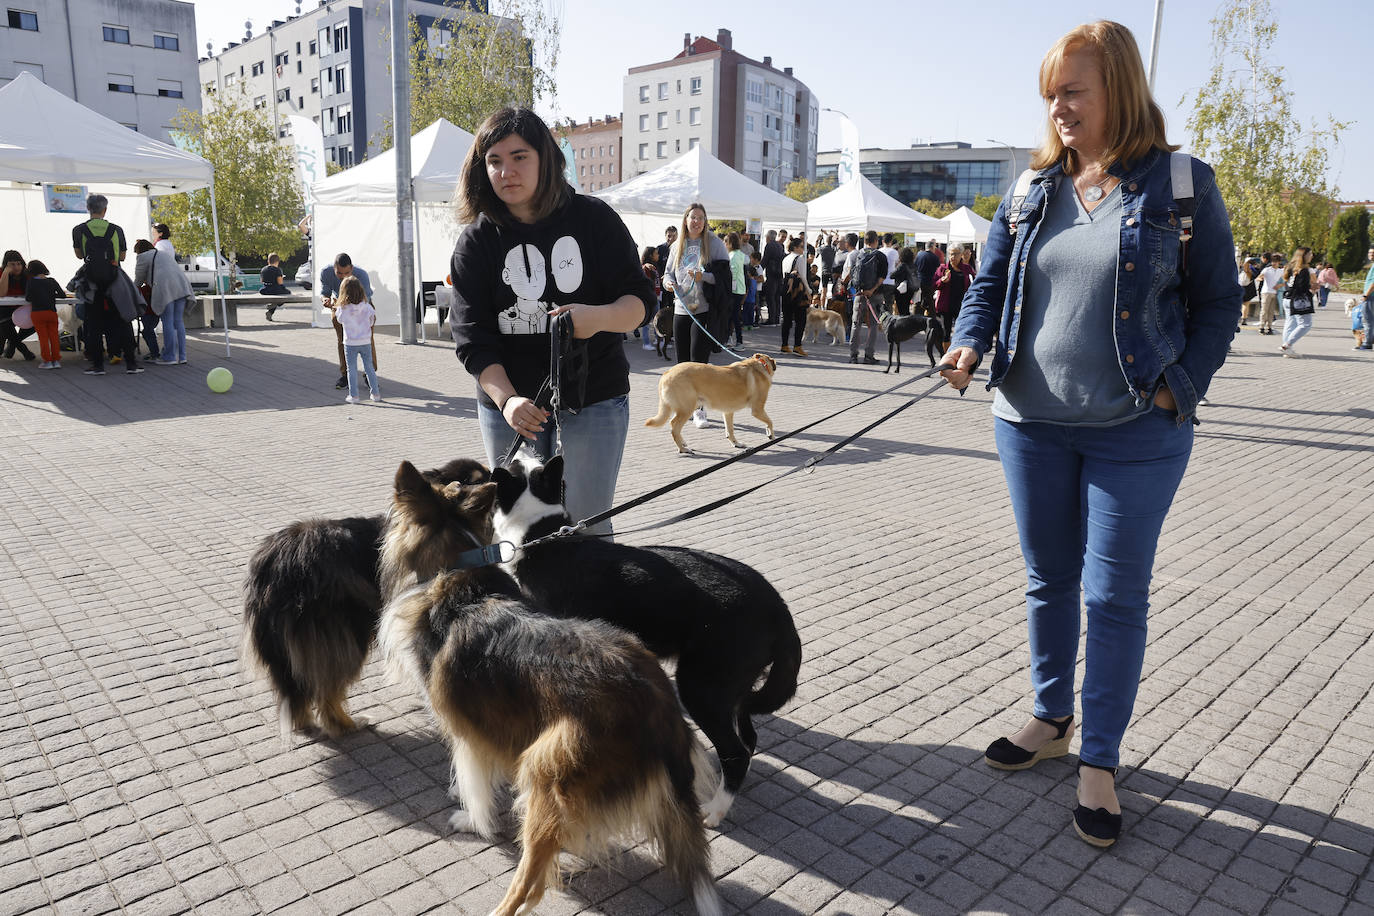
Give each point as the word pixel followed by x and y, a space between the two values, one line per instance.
pixel 699 418
pixel 350 399
pixel 1291 353
pixel 376 398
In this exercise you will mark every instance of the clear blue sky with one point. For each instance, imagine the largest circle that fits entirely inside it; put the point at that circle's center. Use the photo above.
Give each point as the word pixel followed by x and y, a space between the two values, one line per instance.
pixel 937 71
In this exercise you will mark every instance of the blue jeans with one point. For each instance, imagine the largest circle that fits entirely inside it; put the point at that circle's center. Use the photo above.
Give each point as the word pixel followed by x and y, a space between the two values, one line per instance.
pixel 174 330
pixel 1089 505
pixel 352 353
pixel 1367 319
pixel 593 444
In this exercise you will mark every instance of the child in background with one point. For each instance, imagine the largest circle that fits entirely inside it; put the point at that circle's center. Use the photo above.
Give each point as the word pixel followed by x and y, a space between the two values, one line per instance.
pixel 751 290
pixel 42 293
pixel 357 316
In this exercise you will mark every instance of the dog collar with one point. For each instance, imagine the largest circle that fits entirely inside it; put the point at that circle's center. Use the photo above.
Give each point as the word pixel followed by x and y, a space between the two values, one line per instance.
pixel 488 555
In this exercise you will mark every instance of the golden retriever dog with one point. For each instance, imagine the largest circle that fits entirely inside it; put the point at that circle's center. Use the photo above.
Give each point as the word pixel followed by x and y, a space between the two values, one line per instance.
pixel 687 386
pixel 67 322
pixel 818 320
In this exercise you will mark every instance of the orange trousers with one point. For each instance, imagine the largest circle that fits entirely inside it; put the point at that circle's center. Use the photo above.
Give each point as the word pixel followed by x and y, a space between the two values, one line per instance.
pixel 45 325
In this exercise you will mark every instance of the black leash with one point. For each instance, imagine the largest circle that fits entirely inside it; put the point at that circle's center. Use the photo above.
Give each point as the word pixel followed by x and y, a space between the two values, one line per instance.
pixel 580 527
pixel 551 385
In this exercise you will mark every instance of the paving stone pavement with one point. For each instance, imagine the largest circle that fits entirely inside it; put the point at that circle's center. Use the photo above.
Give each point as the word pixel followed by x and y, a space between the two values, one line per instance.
pixel 143 773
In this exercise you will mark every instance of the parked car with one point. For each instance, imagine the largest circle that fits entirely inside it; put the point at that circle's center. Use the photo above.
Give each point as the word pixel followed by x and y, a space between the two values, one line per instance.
pixel 201 272
pixel 305 274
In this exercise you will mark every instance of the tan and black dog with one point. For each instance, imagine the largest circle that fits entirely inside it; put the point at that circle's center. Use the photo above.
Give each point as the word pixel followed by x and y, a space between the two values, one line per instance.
pixel 687 386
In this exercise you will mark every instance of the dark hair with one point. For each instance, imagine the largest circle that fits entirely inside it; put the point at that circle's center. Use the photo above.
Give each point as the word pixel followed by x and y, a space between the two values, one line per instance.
pixel 852 238
pixel 37 268
pixel 12 255
pixel 476 196
pixel 351 291
pixel 889 238
pixel 732 241
pixel 272 258
pixel 871 237
pixel 142 245
pixel 754 255
pixel 906 256
pixel 343 260
pixel 670 229
pixel 162 231
pixel 794 242
pixel 650 253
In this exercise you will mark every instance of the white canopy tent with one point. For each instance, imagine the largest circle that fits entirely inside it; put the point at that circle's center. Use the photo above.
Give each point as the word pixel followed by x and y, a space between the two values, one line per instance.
pixel 355 212
pixel 652 200
pixel 966 227
pixel 51 138
pixel 859 205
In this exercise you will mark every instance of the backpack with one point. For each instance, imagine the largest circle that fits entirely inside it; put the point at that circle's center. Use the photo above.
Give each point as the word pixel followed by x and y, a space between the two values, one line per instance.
pixel 100 256
pixel 872 268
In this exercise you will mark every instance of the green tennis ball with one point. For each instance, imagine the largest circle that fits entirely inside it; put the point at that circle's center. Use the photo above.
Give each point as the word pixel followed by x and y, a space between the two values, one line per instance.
pixel 219 379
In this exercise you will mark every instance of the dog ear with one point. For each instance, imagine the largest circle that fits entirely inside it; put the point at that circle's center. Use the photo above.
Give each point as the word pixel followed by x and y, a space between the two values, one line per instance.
pixel 415 495
pixel 479 500
pixel 553 469
pixel 508 487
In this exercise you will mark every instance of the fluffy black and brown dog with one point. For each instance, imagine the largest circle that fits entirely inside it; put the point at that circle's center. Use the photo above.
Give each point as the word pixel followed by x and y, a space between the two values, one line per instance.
pixel 310 609
pixel 722 620
pixel 901 328
pixel 576 715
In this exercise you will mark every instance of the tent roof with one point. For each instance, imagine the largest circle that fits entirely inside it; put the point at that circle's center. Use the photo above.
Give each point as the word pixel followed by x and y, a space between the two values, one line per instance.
pixel 967 226
pixel 858 204
pixel 436 162
pixel 698 177
pixel 49 137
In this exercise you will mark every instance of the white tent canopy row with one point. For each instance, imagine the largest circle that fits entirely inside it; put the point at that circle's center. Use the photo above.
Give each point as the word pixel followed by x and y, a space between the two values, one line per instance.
pixel 859 205
pixel 355 212
pixel 966 227
pixel 659 197
pixel 51 138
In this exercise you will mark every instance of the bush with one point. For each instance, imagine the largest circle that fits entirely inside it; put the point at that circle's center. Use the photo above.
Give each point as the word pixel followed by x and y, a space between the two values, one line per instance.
pixel 1349 240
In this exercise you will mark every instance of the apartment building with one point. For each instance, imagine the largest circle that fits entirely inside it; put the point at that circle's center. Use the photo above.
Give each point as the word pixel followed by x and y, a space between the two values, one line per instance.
pixel 955 173
pixel 135 63
pixel 596 151
pixel 329 64
pixel 758 119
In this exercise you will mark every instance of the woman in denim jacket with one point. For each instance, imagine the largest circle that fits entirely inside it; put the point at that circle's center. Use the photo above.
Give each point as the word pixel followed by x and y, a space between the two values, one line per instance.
pixel 1107 337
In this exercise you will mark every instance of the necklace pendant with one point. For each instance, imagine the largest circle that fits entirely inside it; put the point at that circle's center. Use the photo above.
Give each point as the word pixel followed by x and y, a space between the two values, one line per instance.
pixel 1092 194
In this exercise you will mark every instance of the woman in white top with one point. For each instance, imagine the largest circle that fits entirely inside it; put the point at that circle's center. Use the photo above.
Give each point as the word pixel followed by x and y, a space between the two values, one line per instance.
pixel 164 239
pixel 687 274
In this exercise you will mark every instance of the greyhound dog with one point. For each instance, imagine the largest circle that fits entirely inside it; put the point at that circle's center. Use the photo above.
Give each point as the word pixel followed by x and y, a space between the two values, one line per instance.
pixel 899 328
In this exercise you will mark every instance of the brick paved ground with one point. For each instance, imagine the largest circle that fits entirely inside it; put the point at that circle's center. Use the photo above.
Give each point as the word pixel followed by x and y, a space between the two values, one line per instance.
pixel 141 772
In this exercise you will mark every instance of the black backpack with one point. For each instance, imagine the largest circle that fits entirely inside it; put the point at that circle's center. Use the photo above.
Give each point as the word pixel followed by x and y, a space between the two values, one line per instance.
pixel 872 265
pixel 100 256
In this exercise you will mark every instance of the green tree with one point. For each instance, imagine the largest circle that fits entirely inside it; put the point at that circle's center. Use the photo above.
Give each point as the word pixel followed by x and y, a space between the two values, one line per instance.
pixel 256 192
pixel 804 189
pixel 724 227
pixel 937 209
pixel 1271 171
pixel 1349 240
pixel 985 205
pixel 485 63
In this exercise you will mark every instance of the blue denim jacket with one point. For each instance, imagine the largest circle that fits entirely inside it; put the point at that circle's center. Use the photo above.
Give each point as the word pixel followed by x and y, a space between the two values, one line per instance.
pixel 1172 326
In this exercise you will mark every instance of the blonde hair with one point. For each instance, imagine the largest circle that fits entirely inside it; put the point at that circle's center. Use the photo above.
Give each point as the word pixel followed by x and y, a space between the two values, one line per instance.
pixel 1135 124
pixel 680 245
pixel 1301 260
pixel 351 291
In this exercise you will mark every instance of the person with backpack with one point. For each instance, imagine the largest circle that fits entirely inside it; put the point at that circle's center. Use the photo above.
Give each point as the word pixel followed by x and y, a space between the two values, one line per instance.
pixel 952 280
pixel 796 295
pixel 1109 282
pixel 870 295
pixel 100 245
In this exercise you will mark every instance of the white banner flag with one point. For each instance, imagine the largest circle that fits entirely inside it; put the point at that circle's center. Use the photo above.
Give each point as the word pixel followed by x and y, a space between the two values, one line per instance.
pixel 309 140
pixel 849 152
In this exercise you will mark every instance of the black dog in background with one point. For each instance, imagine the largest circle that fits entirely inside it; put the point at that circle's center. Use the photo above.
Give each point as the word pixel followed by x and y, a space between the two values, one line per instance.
pixel 311 606
pixel 663 331
pixel 901 328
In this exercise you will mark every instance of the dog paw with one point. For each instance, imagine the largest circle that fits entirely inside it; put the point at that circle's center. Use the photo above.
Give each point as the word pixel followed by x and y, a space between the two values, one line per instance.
pixel 713 812
pixel 462 822
pixel 736 444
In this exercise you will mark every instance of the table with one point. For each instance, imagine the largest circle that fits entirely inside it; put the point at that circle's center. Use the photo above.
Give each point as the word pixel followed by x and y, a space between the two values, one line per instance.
pixel 203 314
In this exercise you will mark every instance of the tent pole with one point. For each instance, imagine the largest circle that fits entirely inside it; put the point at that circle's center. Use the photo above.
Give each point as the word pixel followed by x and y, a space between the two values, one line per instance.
pixel 223 306
pixel 419 273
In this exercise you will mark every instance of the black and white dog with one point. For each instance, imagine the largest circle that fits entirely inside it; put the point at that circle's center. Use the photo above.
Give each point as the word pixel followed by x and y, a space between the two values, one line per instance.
pixel 901 328
pixel 722 620
pixel 663 331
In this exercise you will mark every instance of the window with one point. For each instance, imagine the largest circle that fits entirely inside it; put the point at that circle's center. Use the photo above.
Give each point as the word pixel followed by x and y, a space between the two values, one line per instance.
pixel 644 93
pixel 121 82
pixel 787 133
pixel 643 151
pixel 328 126
pixel 282 59
pixel 694 116
pixel 662 120
pixel 298 49
pixel 663 149
pixel 284 95
pixel 677 146
pixel 692 143
pixel 662 91
pixel 169 89
pixel 600 170
pixel 341 78
pixel 300 102
pixel 258 68
pixel 312 49
pixel 754 91
pixel 777 98
pixel 326 40
pixel 340 38
pixel 327 81
pixel 298 67
pixel 601 150
pixel 345 156
pixel 208 89
pixel 343 119
pixel 22 19
pixel 610 169
pixel 166 42
pixel 696 85
pixel 36 69
pixel 132 127
pixel 314 85
pixel 748 124
pixel 643 122
pixel 116 33
pixel 679 87
pixel 260 102
pixel 678 114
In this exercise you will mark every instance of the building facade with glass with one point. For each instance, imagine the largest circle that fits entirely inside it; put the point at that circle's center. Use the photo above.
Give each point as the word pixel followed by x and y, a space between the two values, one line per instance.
pixel 953 173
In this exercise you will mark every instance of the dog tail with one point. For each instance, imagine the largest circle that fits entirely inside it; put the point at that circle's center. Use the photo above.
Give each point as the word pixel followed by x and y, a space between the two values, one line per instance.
pixel 664 412
pixel 682 839
pixel 781 682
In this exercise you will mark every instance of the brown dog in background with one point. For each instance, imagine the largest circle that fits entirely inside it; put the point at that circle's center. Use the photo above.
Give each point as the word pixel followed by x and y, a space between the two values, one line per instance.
pixel 831 322
pixel 725 388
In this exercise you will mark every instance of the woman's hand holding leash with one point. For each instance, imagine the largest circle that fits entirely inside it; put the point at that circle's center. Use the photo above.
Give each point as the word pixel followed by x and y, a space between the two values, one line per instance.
pixel 963 360
pixel 523 416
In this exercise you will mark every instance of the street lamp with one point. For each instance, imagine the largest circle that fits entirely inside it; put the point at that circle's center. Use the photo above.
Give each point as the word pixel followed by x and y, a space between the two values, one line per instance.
pixel 1010 149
